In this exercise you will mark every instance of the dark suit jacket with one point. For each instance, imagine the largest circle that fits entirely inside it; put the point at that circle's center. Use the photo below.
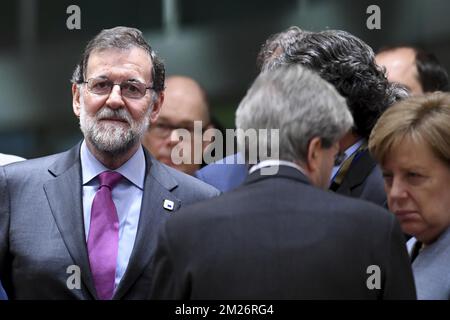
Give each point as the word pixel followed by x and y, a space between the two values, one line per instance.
pixel 278 237
pixel 42 231
pixel 364 180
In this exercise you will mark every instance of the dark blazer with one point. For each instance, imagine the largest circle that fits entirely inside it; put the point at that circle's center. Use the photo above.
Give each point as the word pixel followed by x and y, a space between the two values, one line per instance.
pixel 278 237
pixel 364 180
pixel 42 231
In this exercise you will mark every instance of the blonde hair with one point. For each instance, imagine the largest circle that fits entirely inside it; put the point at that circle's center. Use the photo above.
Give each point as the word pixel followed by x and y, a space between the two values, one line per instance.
pixel 424 119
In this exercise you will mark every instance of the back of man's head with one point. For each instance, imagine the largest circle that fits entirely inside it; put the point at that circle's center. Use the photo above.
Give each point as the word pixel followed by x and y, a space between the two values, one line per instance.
pixel 298 103
pixel 348 64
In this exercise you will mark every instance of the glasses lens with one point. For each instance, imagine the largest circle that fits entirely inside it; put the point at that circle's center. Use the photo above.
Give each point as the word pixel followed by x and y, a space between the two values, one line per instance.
pixel 100 86
pixel 134 90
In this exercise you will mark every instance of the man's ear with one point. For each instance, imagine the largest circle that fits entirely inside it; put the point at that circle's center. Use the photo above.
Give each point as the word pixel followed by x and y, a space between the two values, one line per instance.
pixel 156 108
pixel 76 99
pixel 314 155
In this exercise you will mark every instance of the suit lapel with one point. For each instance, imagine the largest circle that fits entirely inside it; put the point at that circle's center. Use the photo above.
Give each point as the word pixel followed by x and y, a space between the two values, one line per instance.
pixel 65 200
pixel 157 188
pixel 357 173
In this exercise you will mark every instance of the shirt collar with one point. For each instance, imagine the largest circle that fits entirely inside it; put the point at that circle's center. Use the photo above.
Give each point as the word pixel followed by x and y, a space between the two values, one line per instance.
pixel 133 170
pixel 271 163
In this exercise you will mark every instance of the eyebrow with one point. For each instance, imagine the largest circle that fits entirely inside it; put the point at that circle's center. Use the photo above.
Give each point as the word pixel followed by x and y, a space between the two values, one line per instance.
pixel 129 80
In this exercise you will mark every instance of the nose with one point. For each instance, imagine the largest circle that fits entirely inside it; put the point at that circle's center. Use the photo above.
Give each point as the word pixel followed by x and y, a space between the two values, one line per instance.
pixel 397 190
pixel 115 99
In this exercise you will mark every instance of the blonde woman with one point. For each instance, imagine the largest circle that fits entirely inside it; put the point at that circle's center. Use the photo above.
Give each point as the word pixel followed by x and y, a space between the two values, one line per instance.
pixel 411 141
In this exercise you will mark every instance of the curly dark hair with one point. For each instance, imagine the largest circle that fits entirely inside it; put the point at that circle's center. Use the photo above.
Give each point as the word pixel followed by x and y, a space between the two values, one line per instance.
pixel 347 63
pixel 121 38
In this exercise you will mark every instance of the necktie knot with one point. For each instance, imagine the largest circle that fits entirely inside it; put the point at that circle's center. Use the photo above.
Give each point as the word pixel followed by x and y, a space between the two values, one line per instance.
pixel 109 179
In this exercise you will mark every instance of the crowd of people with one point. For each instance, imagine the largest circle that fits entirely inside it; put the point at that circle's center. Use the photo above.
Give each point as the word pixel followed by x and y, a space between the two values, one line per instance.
pixel 360 180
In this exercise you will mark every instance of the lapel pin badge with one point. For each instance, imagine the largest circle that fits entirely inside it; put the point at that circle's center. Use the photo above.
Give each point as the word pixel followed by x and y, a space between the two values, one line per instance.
pixel 168 205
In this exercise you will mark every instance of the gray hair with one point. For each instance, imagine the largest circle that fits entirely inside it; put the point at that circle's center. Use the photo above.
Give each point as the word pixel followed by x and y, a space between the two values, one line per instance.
pixel 277 47
pixel 300 104
pixel 120 38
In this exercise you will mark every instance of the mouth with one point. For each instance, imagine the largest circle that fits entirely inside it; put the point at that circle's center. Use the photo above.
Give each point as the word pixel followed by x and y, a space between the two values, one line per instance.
pixel 405 213
pixel 114 120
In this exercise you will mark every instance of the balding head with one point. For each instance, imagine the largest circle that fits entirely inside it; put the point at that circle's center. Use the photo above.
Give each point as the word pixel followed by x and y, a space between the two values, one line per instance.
pixel 184 95
pixel 400 64
pixel 185 101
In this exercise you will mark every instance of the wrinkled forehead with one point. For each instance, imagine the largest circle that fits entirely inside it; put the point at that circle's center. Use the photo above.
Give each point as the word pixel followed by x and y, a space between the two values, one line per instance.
pixel 131 62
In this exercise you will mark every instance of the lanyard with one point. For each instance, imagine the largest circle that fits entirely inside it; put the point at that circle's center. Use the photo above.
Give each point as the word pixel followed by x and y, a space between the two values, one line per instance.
pixel 343 170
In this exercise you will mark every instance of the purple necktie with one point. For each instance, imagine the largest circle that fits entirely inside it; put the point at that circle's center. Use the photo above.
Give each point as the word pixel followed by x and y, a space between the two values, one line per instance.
pixel 103 239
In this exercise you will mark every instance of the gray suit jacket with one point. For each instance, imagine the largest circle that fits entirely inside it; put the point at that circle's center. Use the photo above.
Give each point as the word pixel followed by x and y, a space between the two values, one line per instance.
pixel 431 269
pixel 42 231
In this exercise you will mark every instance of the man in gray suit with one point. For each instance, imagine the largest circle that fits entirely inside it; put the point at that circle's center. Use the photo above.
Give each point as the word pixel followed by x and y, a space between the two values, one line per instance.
pixel 82 224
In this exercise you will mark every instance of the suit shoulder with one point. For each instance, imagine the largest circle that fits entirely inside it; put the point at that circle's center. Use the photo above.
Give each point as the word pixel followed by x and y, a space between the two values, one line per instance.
pixel 30 166
pixel 361 212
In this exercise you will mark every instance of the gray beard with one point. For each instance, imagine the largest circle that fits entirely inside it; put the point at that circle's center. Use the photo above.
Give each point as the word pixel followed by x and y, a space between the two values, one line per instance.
pixel 113 139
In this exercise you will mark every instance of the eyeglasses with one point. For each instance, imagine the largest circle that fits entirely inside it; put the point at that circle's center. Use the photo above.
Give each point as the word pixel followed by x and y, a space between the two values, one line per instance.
pixel 128 89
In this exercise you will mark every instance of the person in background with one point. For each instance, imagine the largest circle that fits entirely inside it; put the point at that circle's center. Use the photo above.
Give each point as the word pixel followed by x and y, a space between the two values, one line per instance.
pixel 185 101
pixel 282 235
pixel 411 141
pixel 419 71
